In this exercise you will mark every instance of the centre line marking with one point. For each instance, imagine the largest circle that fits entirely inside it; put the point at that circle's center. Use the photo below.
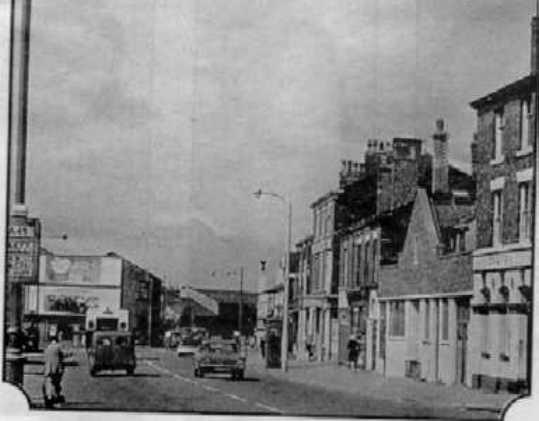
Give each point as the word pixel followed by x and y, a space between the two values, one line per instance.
pixel 267 407
pixel 236 397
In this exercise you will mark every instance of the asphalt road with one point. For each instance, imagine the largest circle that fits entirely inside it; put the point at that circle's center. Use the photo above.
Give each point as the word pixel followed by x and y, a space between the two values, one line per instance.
pixel 165 382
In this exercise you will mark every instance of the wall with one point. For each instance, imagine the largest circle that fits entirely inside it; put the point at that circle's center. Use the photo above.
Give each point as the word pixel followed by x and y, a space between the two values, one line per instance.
pixel 485 172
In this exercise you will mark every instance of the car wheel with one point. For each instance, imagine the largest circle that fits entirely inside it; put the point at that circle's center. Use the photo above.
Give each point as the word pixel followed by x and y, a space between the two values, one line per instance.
pixel 93 371
pixel 130 371
pixel 197 372
pixel 241 375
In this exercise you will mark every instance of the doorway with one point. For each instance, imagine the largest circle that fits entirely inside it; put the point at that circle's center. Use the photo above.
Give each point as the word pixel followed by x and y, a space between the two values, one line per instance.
pixel 463 319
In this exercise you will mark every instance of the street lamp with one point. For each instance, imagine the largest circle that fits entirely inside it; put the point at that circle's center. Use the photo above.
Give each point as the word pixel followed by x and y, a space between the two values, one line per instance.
pixel 284 339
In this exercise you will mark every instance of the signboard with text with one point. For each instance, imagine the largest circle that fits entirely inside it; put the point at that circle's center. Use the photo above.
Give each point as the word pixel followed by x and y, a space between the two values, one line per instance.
pixel 52 300
pixel 23 250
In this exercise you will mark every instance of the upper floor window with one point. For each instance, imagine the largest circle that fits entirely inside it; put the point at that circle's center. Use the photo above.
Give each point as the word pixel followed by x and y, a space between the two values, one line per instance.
pixel 525 124
pixel 524 211
pixel 427 320
pixel 498 134
pixel 497 217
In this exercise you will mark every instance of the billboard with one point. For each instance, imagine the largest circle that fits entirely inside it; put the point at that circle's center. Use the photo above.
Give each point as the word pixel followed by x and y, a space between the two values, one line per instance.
pixel 81 270
pixel 69 300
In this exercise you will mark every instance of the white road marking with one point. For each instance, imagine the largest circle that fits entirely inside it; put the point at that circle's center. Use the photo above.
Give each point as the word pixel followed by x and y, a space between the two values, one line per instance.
pixel 267 407
pixel 238 398
pixel 211 388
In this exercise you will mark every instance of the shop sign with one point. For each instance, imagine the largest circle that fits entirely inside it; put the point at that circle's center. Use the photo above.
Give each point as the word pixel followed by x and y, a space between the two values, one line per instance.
pixel 23 250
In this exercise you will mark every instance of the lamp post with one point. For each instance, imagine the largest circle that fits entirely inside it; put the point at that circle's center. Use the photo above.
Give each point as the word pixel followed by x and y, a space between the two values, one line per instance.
pixel 23 232
pixel 284 338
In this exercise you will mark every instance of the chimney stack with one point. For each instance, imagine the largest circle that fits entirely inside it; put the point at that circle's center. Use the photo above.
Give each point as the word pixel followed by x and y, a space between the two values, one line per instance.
pixel 440 164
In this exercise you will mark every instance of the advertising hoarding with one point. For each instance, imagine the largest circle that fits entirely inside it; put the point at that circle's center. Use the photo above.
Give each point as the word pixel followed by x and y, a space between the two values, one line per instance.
pixel 81 270
pixel 70 300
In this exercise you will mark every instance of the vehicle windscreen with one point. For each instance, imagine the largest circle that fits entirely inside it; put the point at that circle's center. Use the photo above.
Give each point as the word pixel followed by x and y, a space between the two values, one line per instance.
pixel 223 348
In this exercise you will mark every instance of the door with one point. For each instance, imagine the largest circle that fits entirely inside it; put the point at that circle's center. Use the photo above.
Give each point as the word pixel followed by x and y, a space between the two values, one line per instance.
pixel 463 318
pixel 373 342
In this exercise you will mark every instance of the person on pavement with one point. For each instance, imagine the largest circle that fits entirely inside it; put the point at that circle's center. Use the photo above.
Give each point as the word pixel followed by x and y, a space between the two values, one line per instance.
pixel 54 369
pixel 353 352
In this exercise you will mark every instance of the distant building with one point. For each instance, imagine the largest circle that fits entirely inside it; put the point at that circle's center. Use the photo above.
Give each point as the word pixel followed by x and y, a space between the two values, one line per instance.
pixel 503 165
pixel 69 285
pixel 215 309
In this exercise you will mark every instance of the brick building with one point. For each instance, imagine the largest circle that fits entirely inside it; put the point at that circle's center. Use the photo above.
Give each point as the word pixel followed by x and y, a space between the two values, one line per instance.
pixel 422 302
pixel 69 285
pixel 503 165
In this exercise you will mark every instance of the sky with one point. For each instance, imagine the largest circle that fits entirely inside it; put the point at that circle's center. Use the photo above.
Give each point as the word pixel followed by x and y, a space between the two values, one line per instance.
pixel 152 122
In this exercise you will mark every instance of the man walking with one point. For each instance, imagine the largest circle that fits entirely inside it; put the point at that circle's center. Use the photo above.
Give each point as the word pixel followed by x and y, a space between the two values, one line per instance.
pixel 53 372
pixel 353 352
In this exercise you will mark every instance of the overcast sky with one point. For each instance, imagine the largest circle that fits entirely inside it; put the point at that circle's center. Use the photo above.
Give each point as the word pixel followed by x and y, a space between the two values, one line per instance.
pixel 152 122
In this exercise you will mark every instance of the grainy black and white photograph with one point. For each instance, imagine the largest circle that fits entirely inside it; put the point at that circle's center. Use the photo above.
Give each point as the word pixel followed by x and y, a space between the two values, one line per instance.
pixel 269 207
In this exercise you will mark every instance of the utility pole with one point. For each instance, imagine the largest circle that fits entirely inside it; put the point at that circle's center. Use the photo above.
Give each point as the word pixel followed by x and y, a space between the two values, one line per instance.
pixel 22 231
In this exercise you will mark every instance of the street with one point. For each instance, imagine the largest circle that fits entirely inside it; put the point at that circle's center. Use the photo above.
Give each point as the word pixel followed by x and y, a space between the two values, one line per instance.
pixel 164 382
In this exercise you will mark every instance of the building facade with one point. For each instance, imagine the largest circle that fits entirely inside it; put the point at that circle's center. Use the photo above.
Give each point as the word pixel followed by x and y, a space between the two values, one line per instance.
pixel 422 303
pixel 69 285
pixel 503 165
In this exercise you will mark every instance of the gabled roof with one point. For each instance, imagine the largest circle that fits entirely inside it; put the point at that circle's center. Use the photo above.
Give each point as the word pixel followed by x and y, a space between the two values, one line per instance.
pixel 526 84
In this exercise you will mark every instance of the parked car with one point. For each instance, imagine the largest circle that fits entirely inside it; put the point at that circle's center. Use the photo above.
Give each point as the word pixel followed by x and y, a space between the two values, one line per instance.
pixel 222 356
pixel 111 351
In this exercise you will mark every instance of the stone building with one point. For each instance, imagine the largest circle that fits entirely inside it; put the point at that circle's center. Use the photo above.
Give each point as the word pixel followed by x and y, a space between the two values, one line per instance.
pixel 503 165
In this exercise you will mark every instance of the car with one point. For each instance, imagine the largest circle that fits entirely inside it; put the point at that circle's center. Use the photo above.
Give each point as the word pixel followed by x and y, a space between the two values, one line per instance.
pixel 188 346
pixel 222 356
pixel 111 350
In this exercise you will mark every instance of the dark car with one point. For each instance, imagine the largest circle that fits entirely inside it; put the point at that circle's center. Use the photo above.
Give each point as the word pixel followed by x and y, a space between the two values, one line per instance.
pixel 111 351
pixel 219 357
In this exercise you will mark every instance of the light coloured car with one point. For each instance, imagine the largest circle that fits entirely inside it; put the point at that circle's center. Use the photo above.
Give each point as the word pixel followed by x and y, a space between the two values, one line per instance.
pixel 220 357
pixel 188 345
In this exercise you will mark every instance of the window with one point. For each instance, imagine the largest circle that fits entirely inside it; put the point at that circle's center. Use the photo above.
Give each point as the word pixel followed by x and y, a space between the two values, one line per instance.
pixel 396 318
pixel 445 320
pixel 497 217
pixel 484 332
pixel 498 134
pixel 427 320
pixel 462 240
pixel 524 211
pixel 415 250
pixel 525 124
pixel 504 336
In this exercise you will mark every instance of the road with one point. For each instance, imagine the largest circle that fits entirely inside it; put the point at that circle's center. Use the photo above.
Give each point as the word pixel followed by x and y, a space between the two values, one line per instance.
pixel 164 382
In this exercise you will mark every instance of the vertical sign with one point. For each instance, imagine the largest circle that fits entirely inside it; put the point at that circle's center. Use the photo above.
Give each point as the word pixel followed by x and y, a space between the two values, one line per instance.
pixel 23 250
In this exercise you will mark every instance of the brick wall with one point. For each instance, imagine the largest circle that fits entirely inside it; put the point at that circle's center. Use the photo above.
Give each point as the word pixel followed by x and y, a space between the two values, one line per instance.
pixel 424 270
pixel 485 172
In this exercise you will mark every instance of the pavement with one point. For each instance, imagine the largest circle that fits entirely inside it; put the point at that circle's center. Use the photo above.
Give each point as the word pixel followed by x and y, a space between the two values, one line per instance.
pixel 367 383
pixel 165 382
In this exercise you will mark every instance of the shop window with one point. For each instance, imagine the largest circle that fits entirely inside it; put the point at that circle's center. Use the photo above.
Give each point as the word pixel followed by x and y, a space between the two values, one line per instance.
pixel 396 318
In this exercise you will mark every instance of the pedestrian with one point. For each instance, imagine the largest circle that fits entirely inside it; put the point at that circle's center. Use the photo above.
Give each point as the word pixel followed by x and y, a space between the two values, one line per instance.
pixel 263 347
pixel 353 352
pixel 309 344
pixel 53 372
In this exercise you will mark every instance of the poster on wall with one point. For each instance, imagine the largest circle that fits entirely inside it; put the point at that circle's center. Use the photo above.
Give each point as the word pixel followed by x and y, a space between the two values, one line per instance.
pixel 82 270
pixel 75 300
